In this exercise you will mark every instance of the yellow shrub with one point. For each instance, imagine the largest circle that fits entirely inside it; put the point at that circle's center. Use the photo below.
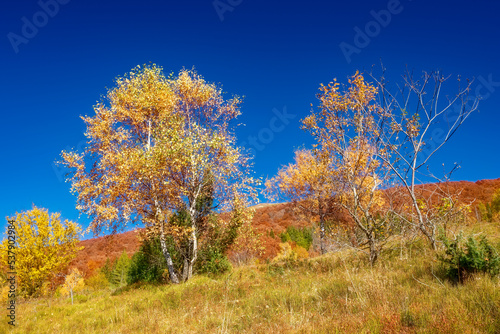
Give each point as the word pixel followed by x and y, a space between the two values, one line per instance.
pixel 73 283
pixel 286 253
pixel 301 252
pixel 97 281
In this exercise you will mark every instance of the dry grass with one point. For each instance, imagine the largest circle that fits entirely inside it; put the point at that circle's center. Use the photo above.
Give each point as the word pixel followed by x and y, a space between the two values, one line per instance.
pixel 337 293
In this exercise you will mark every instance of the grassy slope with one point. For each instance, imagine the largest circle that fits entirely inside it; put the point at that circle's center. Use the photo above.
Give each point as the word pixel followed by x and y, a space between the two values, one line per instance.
pixel 403 293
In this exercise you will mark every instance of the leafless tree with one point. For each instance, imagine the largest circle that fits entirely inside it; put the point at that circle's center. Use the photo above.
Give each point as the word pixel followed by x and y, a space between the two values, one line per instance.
pixel 418 118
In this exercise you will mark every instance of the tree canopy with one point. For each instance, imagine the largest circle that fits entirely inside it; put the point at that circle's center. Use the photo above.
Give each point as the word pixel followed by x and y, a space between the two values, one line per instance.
pixel 44 247
pixel 154 146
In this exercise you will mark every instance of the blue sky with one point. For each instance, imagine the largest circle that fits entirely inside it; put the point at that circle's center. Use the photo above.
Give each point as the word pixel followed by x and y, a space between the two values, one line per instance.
pixel 58 57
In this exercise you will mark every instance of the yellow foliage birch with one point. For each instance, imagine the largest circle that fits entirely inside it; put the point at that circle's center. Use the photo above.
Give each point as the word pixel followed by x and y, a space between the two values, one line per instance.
pixel 44 247
pixel 346 132
pixel 158 146
pixel 73 283
pixel 309 183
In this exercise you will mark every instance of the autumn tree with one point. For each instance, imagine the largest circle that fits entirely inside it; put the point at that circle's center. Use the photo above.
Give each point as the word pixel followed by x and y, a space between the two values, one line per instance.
pixel 154 146
pixel 415 121
pixel 44 247
pixel 248 244
pixel 344 127
pixel 309 184
pixel 380 138
pixel 73 282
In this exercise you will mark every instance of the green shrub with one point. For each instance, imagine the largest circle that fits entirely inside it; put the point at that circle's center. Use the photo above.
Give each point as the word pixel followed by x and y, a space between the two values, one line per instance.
pixel 81 299
pixel 107 268
pixel 302 237
pixel 462 257
pixel 212 261
pixel 149 264
pixel 212 253
pixel 119 274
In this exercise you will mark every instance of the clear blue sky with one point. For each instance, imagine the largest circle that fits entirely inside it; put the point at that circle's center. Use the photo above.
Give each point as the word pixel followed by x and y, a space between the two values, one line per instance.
pixel 57 60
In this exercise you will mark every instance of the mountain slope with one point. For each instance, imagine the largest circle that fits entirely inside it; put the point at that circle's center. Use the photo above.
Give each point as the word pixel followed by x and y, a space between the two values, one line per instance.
pixel 268 217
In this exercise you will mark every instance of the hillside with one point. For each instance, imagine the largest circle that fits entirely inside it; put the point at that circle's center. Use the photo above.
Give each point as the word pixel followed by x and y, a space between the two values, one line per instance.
pixel 471 192
pixel 95 251
pixel 335 293
pixel 268 217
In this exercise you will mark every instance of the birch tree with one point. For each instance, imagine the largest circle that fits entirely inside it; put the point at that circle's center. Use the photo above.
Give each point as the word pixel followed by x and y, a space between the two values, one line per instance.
pixel 154 145
pixel 44 246
pixel 345 130
pixel 308 184
pixel 73 282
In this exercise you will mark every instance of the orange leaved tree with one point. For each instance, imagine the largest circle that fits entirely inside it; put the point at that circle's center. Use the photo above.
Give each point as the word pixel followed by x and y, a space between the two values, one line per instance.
pixel 160 146
pixel 309 185
pixel 346 132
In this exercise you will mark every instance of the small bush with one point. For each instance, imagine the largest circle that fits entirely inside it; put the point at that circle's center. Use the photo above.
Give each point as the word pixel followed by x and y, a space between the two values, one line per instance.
pixel 301 252
pixel 212 261
pixel 286 253
pixel 490 211
pixel 81 299
pixel 219 237
pixel 149 264
pixel 97 281
pixel 408 319
pixel 462 258
pixel 289 255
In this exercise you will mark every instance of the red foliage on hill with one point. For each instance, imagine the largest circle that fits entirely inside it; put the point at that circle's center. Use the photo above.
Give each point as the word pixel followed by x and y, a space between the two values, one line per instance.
pixel 478 192
pixel 97 250
pixel 268 217
pixel 276 218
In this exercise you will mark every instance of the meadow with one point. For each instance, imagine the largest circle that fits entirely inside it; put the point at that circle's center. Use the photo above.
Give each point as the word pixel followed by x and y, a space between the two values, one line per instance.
pixel 406 292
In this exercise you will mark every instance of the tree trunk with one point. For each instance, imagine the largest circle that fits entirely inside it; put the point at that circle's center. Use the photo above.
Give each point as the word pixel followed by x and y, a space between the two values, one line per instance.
pixel 373 249
pixel 193 240
pixel 186 255
pixel 321 227
pixel 191 256
pixel 185 269
pixel 421 224
pixel 170 263
pixel 322 235
pixel 194 253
